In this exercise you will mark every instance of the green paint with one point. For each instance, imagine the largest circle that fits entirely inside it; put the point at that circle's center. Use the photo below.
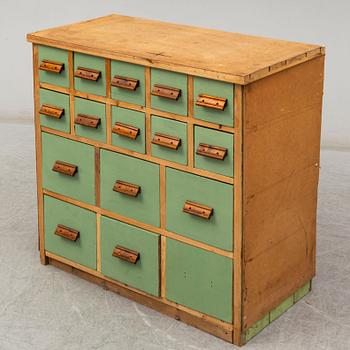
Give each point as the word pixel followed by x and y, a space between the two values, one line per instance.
pixel 143 275
pixel 129 70
pixel 281 308
pixel 96 109
pixel 83 250
pixel 199 279
pixel 91 62
pixel 57 55
pixel 181 186
pixel 172 79
pixel 214 138
pixel 132 118
pixel 300 293
pixel 171 128
pixel 81 186
pixel 144 207
pixel 218 89
pixel 257 327
pixel 59 100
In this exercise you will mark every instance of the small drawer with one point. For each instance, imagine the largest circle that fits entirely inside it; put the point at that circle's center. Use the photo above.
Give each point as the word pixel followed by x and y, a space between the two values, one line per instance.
pixel 213 101
pixel 199 279
pixel 199 208
pixel 130 255
pixel 54 110
pixel 89 74
pixel 70 231
pixel 68 167
pixel 90 119
pixel 128 82
pixel 213 151
pixel 169 139
pixel 53 66
pixel 130 187
pixel 128 129
pixel 169 91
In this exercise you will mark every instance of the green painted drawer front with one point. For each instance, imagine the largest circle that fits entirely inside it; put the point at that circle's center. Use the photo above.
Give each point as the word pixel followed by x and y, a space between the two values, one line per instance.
pixel 83 250
pixel 132 118
pixel 171 79
pixel 91 62
pixel 218 89
pixel 129 70
pixel 170 128
pixel 97 109
pixel 199 279
pixel 144 207
pixel 214 138
pixel 216 231
pixel 144 274
pixel 81 186
pixel 58 100
pixel 56 55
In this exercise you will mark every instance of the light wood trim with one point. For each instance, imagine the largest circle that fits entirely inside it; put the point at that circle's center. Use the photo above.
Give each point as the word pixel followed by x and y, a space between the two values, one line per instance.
pixel 140 224
pixel 147 157
pixel 162 174
pixel 108 77
pixel 97 177
pixel 108 124
pixel 237 217
pixel 163 267
pixel 98 242
pixel 163 226
pixel 190 128
pixel 70 91
pixel 148 136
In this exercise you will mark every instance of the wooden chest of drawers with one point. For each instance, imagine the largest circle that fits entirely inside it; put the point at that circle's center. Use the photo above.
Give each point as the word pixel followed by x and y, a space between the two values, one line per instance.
pixel 178 166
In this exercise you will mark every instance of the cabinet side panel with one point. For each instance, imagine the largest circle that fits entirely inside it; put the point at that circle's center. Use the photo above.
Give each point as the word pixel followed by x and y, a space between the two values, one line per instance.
pixel 281 149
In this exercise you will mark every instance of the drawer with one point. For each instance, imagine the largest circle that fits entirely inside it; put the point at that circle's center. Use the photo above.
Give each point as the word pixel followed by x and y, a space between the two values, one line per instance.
pixel 128 129
pixel 199 279
pixel 173 80
pixel 130 255
pixel 215 89
pixel 200 194
pixel 93 74
pixel 139 197
pixel 128 82
pixel 213 151
pixel 169 139
pixel 79 186
pixel 90 119
pixel 54 110
pixel 75 238
pixel 53 66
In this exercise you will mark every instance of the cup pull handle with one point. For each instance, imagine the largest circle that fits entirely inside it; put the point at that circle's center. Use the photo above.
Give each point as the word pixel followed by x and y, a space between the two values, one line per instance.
pixel 65 168
pixel 127 188
pixel 211 102
pixel 87 74
pixel 67 232
pixel 51 66
pixel 211 151
pixel 196 209
pixel 126 254
pixel 166 91
pixel 125 82
pixel 125 130
pixel 90 121
pixel 51 111
pixel 167 141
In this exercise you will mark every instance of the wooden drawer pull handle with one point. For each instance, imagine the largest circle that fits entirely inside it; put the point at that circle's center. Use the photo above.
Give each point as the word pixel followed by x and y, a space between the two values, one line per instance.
pixel 166 91
pixel 211 151
pixel 65 168
pixel 198 210
pixel 125 130
pixel 126 188
pixel 51 66
pixel 87 73
pixel 126 254
pixel 67 232
pixel 211 102
pixel 87 120
pixel 171 142
pixel 51 111
pixel 125 82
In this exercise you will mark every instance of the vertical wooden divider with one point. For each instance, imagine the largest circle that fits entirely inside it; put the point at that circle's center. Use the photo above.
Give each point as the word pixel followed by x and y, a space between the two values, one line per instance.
pixel 237 217
pixel 71 90
pixel 98 242
pixel 163 226
pixel 108 106
pixel 190 127
pixel 148 109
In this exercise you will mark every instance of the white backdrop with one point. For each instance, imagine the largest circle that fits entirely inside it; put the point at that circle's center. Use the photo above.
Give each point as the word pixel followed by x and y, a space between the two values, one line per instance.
pixel 313 21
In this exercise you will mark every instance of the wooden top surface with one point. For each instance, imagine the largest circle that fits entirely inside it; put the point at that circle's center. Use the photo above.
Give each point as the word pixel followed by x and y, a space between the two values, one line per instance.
pixel 231 57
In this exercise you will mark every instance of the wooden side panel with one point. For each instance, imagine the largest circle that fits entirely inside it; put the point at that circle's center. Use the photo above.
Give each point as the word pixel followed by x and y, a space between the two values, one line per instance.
pixel 281 138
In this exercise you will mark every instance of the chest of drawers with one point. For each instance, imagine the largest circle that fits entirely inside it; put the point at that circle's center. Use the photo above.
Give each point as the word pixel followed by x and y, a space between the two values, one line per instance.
pixel 178 166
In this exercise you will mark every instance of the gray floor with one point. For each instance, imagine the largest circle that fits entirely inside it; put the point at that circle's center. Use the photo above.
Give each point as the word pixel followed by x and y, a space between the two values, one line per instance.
pixel 45 308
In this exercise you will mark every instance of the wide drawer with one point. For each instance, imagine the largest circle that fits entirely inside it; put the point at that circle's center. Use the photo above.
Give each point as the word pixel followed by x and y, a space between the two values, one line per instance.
pixel 199 279
pixel 70 231
pixel 78 156
pixel 54 110
pixel 130 255
pixel 210 96
pixel 53 66
pixel 199 208
pixel 90 119
pixel 130 187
